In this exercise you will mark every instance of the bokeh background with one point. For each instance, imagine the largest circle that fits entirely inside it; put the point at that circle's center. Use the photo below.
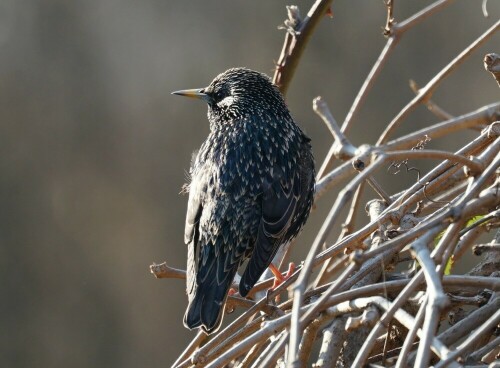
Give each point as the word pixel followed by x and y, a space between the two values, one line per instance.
pixel 93 148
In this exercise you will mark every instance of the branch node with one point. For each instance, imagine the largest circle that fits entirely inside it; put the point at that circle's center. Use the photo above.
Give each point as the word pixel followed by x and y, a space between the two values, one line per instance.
pixel 492 64
pixel 493 130
pixel 368 319
pixel 356 257
pixel 358 165
pixel 292 24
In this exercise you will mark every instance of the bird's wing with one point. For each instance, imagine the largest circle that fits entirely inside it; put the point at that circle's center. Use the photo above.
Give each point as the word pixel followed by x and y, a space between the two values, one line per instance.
pixel 191 234
pixel 192 216
pixel 279 201
pixel 208 280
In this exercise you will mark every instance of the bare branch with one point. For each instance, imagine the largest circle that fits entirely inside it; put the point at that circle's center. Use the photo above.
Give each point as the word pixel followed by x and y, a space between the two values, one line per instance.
pixel 410 338
pixel 345 150
pixel 389 22
pixel 427 91
pixel 436 299
pixel 466 325
pixel 477 355
pixel 431 106
pixel 492 64
pixel 164 271
pixel 190 349
pixel 295 42
pixel 372 269
pixel 467 344
pixel 333 338
pixel 396 33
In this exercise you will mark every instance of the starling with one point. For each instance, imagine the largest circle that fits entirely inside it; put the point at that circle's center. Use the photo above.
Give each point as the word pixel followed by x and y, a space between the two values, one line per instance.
pixel 251 189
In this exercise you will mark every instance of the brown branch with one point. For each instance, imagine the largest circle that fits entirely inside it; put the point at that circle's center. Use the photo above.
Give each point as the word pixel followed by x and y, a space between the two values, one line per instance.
pixel 347 229
pixel 298 34
pixel 410 219
pixel 397 32
pixel 466 346
pixel 301 284
pixel 389 22
pixel 485 115
pixel 333 338
pixel 191 348
pixel 477 355
pixel 432 106
pixel 164 271
pixel 492 64
pixel 408 344
pixel 474 319
pixel 426 92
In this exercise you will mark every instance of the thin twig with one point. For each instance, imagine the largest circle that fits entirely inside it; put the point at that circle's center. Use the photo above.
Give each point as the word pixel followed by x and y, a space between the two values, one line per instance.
pixel 484 115
pixel 397 32
pixel 345 149
pixel 466 325
pixel 193 345
pixel 436 299
pixel 410 338
pixel 468 343
pixel 427 91
pixel 396 304
pixel 300 285
pixel 431 106
pixel 164 271
pixel 477 355
pixel 481 221
pixel 389 22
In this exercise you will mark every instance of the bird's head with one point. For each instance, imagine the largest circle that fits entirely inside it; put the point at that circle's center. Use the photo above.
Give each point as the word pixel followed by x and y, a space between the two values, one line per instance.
pixel 237 93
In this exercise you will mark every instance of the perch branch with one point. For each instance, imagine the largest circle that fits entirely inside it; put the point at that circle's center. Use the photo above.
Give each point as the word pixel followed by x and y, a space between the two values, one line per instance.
pixel 164 271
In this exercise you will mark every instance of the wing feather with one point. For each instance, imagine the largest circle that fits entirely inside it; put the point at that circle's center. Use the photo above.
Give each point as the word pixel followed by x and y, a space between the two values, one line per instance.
pixel 279 203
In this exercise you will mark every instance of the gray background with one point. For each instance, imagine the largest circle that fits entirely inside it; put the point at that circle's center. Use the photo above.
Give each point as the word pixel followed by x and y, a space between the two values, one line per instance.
pixel 93 148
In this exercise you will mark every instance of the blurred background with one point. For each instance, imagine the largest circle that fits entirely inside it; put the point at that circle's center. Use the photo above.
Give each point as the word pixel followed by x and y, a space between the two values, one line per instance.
pixel 94 149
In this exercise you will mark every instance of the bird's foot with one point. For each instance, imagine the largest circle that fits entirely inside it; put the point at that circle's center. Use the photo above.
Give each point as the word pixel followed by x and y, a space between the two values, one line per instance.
pixel 279 278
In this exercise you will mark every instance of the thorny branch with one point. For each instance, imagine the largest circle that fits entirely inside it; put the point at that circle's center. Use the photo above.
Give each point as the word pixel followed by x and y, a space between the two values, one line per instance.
pixel 390 280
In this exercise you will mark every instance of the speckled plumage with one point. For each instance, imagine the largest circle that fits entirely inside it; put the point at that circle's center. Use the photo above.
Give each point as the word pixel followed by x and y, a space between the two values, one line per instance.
pixel 251 190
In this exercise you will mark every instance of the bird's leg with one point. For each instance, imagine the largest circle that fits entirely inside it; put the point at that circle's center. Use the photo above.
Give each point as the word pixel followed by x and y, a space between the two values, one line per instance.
pixel 278 277
pixel 229 306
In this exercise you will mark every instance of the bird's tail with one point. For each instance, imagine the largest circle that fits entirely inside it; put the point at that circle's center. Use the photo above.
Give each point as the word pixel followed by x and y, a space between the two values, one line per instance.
pixel 206 306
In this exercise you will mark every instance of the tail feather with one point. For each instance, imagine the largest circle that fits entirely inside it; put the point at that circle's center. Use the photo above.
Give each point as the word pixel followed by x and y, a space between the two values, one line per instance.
pixel 206 307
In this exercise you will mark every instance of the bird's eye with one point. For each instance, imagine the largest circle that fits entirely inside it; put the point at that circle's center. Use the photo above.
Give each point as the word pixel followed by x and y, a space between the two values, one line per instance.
pixel 218 96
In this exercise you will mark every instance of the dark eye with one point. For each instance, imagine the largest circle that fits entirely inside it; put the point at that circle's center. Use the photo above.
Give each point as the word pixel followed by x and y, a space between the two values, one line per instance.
pixel 219 95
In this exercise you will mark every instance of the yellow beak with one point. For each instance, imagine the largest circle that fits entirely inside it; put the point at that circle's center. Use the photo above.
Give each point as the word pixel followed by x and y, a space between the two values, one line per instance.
pixel 193 93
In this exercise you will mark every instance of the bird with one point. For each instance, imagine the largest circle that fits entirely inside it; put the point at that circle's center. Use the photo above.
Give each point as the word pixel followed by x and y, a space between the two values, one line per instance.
pixel 251 188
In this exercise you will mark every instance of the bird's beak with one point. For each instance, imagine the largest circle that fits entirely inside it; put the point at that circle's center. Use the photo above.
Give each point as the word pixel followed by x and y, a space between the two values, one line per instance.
pixel 193 93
